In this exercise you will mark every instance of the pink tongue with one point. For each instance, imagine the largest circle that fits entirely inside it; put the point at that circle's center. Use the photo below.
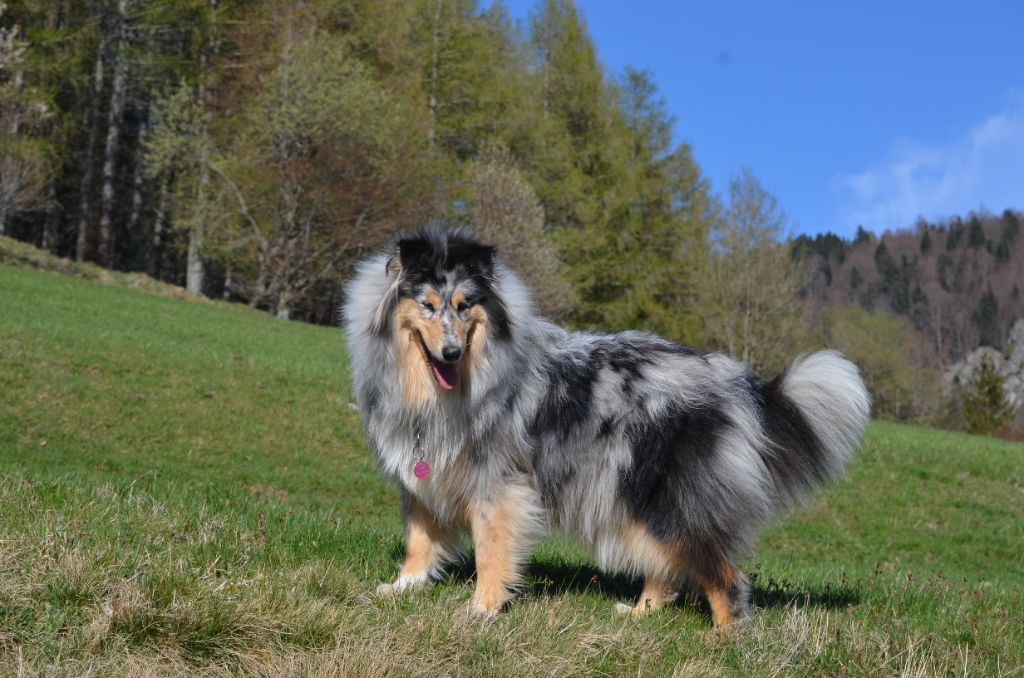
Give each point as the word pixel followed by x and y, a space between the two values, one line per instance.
pixel 446 374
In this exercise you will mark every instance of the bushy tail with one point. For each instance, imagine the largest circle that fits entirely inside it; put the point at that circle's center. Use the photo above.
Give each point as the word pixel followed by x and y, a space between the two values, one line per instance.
pixel 814 414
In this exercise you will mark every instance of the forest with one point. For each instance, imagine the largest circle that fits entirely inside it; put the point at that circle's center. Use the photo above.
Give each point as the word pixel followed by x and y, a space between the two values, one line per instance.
pixel 253 150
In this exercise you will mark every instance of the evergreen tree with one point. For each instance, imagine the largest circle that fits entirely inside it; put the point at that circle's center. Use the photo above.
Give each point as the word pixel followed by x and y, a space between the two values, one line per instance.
pixel 985 405
pixel 926 243
pixel 984 318
pixel 855 278
pixel 975 233
pixel 1011 226
pixel 956 231
pixel 887 269
pixel 635 263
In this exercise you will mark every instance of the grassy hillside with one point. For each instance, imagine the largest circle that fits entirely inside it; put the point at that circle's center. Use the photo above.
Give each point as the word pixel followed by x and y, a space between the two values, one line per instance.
pixel 184 487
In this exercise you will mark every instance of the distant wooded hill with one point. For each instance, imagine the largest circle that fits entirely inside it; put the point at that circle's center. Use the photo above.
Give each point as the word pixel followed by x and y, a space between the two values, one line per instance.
pixel 959 281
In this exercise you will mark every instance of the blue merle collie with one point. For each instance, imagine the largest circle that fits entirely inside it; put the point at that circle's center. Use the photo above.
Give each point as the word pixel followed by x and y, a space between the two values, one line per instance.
pixel 663 459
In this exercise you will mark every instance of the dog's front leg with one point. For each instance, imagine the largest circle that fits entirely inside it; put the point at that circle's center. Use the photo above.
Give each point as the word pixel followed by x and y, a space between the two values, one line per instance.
pixel 429 545
pixel 505 528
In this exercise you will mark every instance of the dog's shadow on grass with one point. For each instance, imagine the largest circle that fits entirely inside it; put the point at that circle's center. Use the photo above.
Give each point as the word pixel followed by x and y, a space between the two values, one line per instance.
pixel 553 577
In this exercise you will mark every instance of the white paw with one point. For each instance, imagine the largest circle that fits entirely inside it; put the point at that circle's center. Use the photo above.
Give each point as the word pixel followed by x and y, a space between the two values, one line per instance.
pixel 622 608
pixel 386 589
pixel 403 583
pixel 476 612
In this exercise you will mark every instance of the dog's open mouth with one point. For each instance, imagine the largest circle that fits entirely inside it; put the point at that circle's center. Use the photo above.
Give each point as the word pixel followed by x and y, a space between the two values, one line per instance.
pixel 446 374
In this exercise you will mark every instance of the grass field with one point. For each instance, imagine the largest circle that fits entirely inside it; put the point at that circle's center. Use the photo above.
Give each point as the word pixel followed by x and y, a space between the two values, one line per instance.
pixel 184 488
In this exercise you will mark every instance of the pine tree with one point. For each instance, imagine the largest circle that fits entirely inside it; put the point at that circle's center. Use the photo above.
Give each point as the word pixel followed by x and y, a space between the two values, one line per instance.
pixel 984 317
pixel 975 233
pixel 986 407
pixel 1011 227
pixel 855 278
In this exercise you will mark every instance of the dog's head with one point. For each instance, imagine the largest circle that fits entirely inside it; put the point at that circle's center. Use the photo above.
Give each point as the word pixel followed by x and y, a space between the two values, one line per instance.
pixel 445 303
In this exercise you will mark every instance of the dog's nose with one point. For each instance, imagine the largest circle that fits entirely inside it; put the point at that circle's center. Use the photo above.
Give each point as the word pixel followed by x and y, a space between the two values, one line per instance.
pixel 451 353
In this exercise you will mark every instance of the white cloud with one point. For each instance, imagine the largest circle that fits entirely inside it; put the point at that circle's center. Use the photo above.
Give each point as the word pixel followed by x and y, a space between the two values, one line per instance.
pixel 984 168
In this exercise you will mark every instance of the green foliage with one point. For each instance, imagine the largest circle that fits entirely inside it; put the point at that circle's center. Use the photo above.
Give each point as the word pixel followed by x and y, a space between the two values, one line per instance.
pixel 311 172
pixel 861 236
pixel 469 70
pixel 886 349
pixel 635 263
pixel 985 405
pixel 504 210
pixel 926 242
pixel 179 151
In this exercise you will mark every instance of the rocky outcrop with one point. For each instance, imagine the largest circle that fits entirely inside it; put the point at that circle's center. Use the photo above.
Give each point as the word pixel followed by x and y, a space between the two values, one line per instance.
pixel 1010 366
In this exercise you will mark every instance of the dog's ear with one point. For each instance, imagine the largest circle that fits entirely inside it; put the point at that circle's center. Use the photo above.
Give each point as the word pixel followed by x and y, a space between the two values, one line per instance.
pixel 415 254
pixel 475 256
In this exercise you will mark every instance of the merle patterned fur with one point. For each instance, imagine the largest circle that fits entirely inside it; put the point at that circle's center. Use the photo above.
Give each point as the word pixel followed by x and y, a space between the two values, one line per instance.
pixel 597 432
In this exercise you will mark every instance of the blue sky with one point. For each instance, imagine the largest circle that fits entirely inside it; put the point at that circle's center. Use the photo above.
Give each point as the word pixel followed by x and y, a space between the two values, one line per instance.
pixel 850 112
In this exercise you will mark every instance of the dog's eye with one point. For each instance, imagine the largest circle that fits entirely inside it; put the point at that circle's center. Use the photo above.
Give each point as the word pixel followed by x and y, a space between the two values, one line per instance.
pixel 429 307
pixel 464 306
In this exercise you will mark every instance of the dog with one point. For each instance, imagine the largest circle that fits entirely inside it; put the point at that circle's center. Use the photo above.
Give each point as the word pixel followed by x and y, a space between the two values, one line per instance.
pixel 663 459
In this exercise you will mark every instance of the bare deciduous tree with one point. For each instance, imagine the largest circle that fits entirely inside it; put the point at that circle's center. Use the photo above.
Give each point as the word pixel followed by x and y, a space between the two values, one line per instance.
pixel 504 210
pixel 750 293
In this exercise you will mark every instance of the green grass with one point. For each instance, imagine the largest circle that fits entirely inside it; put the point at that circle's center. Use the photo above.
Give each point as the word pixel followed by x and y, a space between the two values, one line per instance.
pixel 184 488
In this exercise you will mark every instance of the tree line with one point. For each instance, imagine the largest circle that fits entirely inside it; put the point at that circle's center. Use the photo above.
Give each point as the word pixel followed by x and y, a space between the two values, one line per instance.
pixel 253 149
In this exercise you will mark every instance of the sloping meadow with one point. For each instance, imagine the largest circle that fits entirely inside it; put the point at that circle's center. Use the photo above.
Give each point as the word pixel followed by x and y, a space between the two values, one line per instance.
pixel 184 488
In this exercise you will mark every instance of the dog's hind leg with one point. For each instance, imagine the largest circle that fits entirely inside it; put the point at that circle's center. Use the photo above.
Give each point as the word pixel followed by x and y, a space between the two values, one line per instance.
pixel 429 545
pixel 728 593
pixel 505 528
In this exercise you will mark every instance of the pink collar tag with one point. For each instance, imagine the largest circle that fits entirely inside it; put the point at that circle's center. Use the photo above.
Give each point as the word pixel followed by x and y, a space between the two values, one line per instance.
pixel 421 469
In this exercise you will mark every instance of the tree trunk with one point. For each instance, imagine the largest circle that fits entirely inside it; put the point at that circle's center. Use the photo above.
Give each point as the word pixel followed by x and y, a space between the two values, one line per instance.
pixel 115 120
pixel 434 59
pixel 195 268
pixel 7 199
pixel 138 183
pixel 51 222
pixel 85 209
pixel 156 242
